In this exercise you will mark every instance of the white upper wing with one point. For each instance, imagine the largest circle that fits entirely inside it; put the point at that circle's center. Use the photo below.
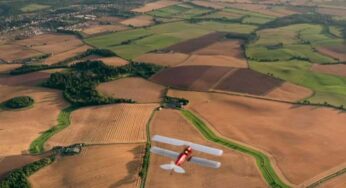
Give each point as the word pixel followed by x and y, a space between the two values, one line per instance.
pixel 177 142
pixel 164 152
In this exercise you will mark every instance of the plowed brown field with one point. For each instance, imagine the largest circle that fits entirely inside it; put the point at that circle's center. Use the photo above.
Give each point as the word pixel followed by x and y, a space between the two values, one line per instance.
pixel 237 170
pixel 12 52
pixel 339 70
pixel 215 60
pixel 301 139
pixel 96 166
pixel 119 123
pixel 137 89
pixel 200 78
pixel 192 45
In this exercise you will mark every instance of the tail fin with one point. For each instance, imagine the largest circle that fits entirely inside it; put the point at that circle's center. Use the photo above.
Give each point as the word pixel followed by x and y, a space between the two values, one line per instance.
pixel 174 167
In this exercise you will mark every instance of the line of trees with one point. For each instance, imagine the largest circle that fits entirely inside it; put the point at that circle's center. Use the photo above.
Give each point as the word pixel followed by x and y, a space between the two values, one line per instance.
pixel 18 177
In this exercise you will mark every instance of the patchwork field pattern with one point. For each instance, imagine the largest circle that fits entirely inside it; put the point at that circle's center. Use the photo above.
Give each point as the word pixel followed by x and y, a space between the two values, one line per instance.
pixel 274 125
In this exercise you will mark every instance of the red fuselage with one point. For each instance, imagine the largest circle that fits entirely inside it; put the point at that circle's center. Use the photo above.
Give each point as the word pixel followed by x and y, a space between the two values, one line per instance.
pixel 183 156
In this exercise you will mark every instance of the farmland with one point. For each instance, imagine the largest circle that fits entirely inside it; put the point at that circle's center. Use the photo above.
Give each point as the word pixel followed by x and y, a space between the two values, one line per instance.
pixel 268 130
pixel 327 88
pixel 130 88
pixel 119 123
pixel 96 166
pixel 176 126
pixel 133 43
pixel 262 80
pixel 226 79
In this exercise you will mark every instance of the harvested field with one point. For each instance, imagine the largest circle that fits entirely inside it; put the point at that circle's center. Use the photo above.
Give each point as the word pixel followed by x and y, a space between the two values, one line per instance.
pixel 273 126
pixel 226 48
pixel 6 68
pixel 155 5
pixel 113 61
pixel 192 45
pixel 215 60
pixel 20 127
pixel 336 52
pixel 97 166
pixel 10 163
pixel 200 78
pixel 164 59
pixel 138 21
pixel 237 169
pixel 96 29
pixel 119 123
pixel 12 52
pixel 336 69
pixel 51 43
pixel 56 58
pixel 137 89
pixel 249 81
pixel 290 92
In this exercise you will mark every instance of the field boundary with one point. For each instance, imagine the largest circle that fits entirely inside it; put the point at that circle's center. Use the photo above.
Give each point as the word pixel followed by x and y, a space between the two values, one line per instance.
pixel 333 173
pixel 263 162
pixel 64 120
pixel 146 158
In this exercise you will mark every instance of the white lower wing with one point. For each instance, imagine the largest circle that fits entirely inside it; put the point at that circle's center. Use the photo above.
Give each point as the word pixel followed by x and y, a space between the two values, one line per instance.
pixel 205 162
pixel 164 152
pixel 177 142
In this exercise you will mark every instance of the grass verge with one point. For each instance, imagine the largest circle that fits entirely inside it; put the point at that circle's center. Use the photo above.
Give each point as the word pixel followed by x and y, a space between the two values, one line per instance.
pixel 146 159
pixel 37 146
pixel 262 160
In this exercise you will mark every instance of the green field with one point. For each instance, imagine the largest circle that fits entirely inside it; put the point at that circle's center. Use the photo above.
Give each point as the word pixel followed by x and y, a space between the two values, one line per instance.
pixel 263 162
pixel 327 88
pixel 34 7
pixel 291 42
pixel 160 36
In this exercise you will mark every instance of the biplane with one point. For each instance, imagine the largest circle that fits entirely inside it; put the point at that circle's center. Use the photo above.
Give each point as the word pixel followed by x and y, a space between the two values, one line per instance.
pixel 185 155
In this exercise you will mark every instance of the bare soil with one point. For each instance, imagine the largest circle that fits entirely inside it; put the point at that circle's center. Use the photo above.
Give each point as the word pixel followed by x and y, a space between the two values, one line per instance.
pixel 249 81
pixel 96 29
pixel 192 45
pixel 200 78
